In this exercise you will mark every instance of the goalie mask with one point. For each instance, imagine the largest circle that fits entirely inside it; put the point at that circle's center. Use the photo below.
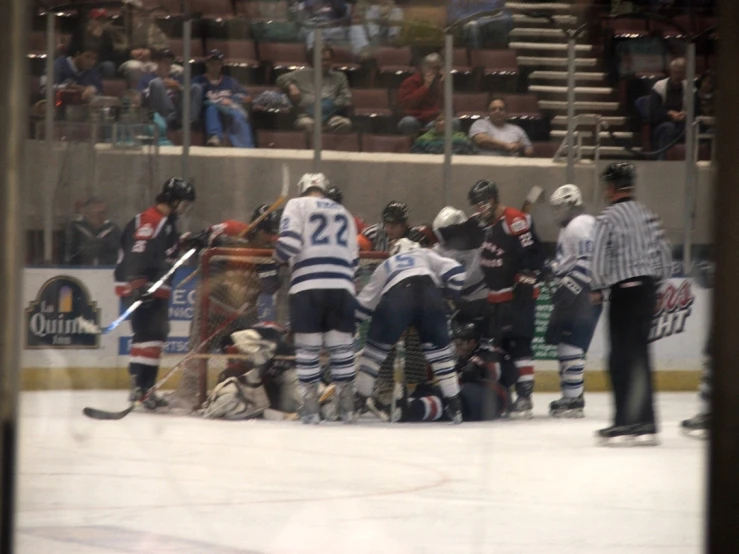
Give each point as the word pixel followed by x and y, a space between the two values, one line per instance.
pixel 315 181
pixel 402 246
pixel 566 203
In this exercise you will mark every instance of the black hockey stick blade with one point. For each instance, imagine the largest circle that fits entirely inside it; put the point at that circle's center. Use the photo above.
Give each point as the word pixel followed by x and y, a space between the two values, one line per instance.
pixel 94 413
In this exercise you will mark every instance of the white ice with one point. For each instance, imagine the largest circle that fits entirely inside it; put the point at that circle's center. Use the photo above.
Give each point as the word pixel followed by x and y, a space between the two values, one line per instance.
pixel 165 485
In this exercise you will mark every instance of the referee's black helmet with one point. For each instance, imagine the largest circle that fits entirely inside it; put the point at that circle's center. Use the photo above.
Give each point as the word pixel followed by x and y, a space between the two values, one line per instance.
pixel 620 174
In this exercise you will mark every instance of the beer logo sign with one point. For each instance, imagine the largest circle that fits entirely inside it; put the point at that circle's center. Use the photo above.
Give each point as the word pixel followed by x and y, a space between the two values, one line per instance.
pixel 52 320
pixel 674 305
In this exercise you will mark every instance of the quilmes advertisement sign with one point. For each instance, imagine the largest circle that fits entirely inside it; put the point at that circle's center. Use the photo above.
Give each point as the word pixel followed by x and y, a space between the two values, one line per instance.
pixel 52 318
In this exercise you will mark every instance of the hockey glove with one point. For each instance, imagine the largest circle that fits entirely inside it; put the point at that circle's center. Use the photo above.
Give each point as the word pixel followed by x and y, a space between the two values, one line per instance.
pixel 140 294
pixel 525 283
pixel 199 240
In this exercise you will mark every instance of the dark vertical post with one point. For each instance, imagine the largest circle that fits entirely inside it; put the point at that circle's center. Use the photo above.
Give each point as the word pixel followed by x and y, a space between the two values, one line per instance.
pixel 723 488
pixel 13 122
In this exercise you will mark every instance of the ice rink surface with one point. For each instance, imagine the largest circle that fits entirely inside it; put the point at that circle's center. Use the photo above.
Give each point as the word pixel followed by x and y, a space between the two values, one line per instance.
pixel 167 485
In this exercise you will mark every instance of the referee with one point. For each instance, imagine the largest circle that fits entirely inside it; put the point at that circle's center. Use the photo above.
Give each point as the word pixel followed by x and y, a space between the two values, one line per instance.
pixel 630 257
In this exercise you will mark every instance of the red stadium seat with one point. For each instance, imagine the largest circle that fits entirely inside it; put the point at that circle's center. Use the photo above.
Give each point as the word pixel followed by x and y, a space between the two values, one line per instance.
pixel 371 102
pixel 288 140
pixel 471 105
pixel 397 144
pixel 237 52
pixel 522 105
pixel 393 64
pixel 281 57
pixel 343 142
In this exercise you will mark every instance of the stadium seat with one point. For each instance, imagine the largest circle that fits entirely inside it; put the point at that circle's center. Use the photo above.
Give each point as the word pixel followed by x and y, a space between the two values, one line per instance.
pixel 397 144
pixel 343 142
pixel 625 27
pixel 472 105
pixel 196 137
pixel 345 62
pixel 371 102
pixel 114 87
pixel 196 48
pixel 545 149
pixel 237 52
pixel 522 105
pixel 212 9
pixel 496 69
pixel 281 57
pixel 677 152
pixel 289 140
pixel 393 65
pixel 667 30
pixel 264 10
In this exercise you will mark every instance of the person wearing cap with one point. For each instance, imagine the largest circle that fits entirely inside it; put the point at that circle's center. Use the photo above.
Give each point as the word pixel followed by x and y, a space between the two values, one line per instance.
pixel 335 99
pixel 223 105
pixel 631 256
pixel 95 33
pixel 162 92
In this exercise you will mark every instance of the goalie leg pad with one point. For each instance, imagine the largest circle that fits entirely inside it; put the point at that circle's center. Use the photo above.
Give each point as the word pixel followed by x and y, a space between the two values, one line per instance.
pixel 307 357
pixel 571 370
pixel 341 351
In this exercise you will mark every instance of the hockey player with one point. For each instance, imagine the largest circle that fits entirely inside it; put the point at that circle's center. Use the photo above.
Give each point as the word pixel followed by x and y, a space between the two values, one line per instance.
pixel 319 239
pixel 511 258
pixel 405 291
pixel 149 246
pixel 394 226
pixel 334 193
pixel 573 318
pixel 472 303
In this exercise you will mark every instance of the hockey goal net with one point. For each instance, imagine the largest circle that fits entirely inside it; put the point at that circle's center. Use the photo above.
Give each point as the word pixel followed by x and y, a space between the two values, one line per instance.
pixel 230 296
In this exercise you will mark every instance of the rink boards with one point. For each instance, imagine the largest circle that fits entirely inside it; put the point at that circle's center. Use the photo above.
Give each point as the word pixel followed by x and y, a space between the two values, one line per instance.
pixel 58 354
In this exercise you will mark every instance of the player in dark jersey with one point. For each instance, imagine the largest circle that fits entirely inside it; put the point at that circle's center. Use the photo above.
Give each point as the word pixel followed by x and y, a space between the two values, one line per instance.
pixel 149 247
pixel 394 226
pixel 511 258
pixel 334 193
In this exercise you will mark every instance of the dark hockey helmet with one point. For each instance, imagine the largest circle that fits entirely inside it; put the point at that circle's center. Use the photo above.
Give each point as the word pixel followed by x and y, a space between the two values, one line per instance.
pixel 465 331
pixel 621 174
pixel 483 191
pixel 395 212
pixel 335 194
pixel 271 223
pixel 176 189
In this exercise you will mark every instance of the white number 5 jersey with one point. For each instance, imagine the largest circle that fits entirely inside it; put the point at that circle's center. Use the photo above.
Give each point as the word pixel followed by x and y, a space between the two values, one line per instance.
pixel 319 239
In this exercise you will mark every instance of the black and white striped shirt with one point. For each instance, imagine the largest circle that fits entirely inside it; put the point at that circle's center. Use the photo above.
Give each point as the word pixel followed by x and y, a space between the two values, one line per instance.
pixel 628 242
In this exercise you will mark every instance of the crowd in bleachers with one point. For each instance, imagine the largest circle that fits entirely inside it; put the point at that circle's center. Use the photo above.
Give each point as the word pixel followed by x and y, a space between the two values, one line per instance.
pixel 252 72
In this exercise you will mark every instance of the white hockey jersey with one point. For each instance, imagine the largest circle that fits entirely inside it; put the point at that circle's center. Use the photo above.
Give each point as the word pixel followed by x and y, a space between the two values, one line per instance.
pixel 445 272
pixel 474 287
pixel 575 250
pixel 319 239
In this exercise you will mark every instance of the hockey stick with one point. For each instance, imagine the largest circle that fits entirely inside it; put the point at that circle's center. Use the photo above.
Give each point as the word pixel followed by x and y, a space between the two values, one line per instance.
pixel 95 413
pixel 531 198
pixel 90 327
pixel 276 205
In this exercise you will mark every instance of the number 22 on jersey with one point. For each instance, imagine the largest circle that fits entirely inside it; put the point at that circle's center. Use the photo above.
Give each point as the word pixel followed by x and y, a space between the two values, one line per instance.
pixel 326 228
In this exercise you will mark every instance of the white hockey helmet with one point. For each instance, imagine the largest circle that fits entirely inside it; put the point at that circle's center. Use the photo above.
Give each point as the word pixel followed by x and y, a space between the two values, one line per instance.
pixel 448 216
pixel 312 180
pixel 566 195
pixel 566 203
pixel 402 246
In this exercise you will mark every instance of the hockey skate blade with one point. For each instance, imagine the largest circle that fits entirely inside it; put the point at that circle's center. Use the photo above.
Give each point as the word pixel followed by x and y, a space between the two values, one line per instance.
pixel 698 434
pixel 627 441
pixel 568 414
pixel 521 416
pixel 104 415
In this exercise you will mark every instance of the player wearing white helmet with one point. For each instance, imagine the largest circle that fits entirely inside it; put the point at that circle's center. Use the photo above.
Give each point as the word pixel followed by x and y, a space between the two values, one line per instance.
pixel 318 238
pixel 405 291
pixel 473 298
pixel 573 319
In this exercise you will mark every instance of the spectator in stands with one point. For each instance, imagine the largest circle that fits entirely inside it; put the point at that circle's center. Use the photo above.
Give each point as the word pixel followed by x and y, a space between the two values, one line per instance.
pixel 95 33
pixel 92 239
pixel 333 15
pixel 380 26
pixel 421 96
pixel 706 94
pixel 494 136
pixel 335 96
pixel 666 107
pixel 78 74
pixel 483 31
pixel 224 101
pixel 142 38
pixel 162 93
pixel 432 142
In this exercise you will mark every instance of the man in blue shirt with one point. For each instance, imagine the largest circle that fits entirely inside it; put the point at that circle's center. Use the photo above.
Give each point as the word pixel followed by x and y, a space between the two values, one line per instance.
pixel 223 105
pixel 78 73
pixel 162 92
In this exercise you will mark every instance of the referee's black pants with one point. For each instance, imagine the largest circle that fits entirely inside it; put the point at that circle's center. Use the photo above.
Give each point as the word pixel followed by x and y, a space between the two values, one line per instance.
pixel 629 362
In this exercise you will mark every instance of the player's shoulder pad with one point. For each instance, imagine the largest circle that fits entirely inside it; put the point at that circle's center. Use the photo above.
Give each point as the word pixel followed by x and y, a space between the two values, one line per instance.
pixel 516 222
pixel 148 224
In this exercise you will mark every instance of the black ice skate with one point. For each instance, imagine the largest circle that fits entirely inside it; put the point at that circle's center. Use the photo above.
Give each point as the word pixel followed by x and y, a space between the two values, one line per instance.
pixel 643 434
pixel 568 407
pixel 454 409
pixel 522 408
pixel 697 426
pixel 152 401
